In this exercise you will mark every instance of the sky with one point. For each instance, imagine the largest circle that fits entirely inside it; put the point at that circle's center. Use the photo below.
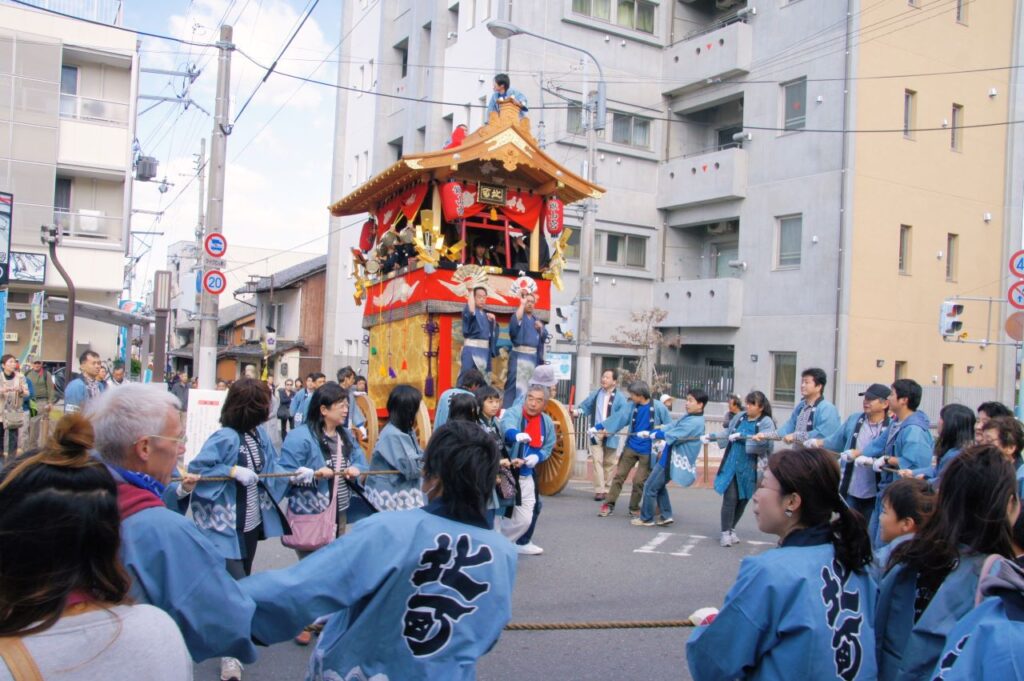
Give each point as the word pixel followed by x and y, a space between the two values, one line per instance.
pixel 279 153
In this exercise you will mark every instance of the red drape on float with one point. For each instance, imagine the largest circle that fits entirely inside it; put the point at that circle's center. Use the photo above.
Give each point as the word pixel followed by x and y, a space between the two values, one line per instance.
pixel 408 203
pixel 458 201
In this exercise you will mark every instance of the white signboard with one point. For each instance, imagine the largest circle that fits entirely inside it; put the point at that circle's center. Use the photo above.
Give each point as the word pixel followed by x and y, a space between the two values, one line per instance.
pixel 203 418
pixel 561 362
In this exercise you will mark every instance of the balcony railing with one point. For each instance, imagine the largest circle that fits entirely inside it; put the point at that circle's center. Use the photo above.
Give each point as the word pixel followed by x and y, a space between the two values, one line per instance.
pixel 700 60
pixel 87 224
pixel 93 110
pixel 701 303
pixel 703 178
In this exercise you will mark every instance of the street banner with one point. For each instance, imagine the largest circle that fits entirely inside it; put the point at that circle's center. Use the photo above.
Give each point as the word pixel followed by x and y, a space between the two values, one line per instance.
pixel 203 418
pixel 6 209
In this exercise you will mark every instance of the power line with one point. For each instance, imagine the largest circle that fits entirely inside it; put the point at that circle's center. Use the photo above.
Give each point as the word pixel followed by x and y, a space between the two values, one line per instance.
pixel 309 11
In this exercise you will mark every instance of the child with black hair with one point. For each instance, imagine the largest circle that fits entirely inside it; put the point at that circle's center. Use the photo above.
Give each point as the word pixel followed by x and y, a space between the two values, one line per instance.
pixel 906 505
pixel 397 448
pixel 507 488
pixel 464 407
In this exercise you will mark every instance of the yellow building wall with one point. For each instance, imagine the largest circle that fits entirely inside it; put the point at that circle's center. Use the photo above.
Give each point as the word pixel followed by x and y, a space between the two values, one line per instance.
pixel 921 182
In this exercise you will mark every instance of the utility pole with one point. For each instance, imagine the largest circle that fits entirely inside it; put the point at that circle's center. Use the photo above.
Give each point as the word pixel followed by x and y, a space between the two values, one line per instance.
pixel 200 232
pixel 206 370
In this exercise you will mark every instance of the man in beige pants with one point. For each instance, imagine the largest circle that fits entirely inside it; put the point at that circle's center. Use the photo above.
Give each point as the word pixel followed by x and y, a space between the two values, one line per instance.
pixel 39 425
pixel 599 405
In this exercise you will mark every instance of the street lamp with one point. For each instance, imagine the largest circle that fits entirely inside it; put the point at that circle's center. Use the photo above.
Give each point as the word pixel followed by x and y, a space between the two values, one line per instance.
pixel 596 115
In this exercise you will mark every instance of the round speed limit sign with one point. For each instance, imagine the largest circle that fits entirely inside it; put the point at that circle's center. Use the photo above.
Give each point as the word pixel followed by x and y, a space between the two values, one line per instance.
pixel 214 282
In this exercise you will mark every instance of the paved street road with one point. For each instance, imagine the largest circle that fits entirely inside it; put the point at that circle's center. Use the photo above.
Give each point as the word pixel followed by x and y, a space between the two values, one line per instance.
pixel 592 569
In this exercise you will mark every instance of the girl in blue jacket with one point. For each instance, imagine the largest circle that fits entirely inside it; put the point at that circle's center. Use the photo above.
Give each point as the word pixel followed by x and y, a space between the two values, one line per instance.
pixel 933 577
pixel 397 448
pixel 803 610
pixel 956 431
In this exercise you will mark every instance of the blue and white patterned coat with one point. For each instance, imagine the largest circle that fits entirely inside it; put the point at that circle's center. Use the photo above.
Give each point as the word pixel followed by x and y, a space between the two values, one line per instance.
pixel 398 451
pixel 300 448
pixel 680 440
pixel 214 504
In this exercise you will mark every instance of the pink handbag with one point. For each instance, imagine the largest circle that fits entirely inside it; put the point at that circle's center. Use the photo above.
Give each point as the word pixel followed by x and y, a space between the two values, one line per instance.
pixel 311 531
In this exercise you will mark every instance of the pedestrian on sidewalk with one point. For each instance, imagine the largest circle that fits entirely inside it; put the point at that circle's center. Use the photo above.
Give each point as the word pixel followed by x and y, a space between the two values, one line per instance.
pixel 42 385
pixel 806 609
pixel 743 462
pixel 674 451
pixel 645 416
pixel 601 447
pixel 13 391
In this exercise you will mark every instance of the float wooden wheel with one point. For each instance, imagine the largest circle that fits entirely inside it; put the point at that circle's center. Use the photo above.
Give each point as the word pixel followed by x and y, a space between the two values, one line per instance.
pixel 369 410
pixel 423 426
pixel 553 475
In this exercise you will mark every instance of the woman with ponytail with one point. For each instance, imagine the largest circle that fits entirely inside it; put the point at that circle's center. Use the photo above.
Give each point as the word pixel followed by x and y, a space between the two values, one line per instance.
pixel 804 610
pixel 932 578
pixel 64 611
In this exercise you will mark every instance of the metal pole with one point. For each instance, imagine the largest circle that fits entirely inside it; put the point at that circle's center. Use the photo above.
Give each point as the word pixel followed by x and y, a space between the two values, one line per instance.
pixel 200 232
pixel 207 371
pixel 50 236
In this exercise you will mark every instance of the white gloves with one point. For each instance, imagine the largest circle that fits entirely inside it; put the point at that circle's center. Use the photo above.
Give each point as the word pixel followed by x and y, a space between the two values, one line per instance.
pixel 705 439
pixel 733 437
pixel 303 476
pixel 576 411
pixel 846 456
pixel 592 431
pixel 245 476
pixel 531 460
pixel 878 465
pixel 523 437
pixel 703 616
pixel 181 492
pixel 814 442
pixel 644 434
pixel 863 461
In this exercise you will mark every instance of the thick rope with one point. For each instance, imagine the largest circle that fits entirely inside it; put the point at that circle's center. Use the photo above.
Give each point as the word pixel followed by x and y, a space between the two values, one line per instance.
pixel 226 478
pixel 552 626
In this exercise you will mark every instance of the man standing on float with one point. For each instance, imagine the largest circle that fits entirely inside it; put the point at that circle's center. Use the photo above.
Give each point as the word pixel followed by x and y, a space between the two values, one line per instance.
pixel 480 334
pixel 528 336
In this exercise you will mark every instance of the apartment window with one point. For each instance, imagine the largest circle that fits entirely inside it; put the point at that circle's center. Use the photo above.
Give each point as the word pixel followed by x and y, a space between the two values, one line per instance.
pixel 634 14
pixel 632 130
pixel 572 248
pixel 787 247
pixel 784 377
pixel 952 255
pixel 62 194
pixel 574 122
pixel 900 369
pixel 396 148
pixel 961 11
pixel 625 250
pixel 904 252
pixel 795 99
pixel 402 56
pixel 956 123
pixel 68 90
pixel 909 113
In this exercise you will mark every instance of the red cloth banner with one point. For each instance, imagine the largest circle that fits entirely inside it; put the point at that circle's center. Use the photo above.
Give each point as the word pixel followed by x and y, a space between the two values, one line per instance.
pixel 458 202
pixel 408 203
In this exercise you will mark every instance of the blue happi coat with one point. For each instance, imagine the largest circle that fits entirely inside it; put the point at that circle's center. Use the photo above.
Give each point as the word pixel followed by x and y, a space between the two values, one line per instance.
pixel 175 568
pixel 988 642
pixel 214 505
pixel 512 422
pixel 299 405
pixel 910 650
pixel 683 456
pixel 477 327
pixel 527 352
pixel 592 404
pixel 910 441
pixel 415 596
pixel 744 459
pixel 824 420
pixel 794 613
pixel 623 418
pixel 301 448
pixel 396 451
pixel 444 403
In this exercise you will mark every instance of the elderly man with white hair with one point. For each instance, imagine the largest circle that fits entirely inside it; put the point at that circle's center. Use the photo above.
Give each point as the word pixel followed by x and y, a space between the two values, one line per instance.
pixel 139 435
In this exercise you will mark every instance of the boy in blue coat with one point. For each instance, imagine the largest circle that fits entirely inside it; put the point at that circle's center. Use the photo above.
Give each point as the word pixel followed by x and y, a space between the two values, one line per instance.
pixel 813 416
pixel 417 595
pixel 679 446
pixel 646 415
pixel 906 443
pixel 600 405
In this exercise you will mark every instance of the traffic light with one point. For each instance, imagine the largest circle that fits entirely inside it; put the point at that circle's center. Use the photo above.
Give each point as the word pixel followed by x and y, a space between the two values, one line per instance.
pixel 950 324
pixel 565 322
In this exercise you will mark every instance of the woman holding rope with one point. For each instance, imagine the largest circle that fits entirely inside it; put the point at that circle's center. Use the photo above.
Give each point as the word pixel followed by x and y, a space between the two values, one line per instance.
pixel 416 595
pixel 804 610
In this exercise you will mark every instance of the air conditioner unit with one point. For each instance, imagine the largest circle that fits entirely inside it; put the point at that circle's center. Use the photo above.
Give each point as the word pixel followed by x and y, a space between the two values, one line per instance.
pixel 727 4
pixel 89 220
pixel 719 228
pixel 251 334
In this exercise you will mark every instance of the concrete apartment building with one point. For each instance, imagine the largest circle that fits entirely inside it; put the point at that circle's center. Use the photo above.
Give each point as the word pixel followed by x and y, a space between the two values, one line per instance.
pixel 774 240
pixel 67 121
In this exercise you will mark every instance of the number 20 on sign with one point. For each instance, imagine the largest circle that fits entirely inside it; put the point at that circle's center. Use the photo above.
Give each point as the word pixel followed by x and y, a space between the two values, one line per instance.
pixel 215 282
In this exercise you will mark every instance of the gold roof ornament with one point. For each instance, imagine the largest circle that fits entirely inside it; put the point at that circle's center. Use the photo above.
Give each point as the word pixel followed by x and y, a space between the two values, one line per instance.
pixel 503 152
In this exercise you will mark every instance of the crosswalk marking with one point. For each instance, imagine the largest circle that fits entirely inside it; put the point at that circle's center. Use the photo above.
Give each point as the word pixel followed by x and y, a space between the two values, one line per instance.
pixel 650 546
pixel 691 542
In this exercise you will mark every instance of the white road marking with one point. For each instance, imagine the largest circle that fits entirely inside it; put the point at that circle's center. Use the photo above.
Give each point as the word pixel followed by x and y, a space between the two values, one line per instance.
pixel 688 546
pixel 654 543
pixel 760 543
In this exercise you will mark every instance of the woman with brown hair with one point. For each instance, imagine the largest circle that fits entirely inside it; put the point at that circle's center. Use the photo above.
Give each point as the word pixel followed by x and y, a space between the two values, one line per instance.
pixel 13 390
pixel 63 593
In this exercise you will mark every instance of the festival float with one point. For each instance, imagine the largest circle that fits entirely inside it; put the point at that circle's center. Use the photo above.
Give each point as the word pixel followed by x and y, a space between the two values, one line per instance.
pixel 415 264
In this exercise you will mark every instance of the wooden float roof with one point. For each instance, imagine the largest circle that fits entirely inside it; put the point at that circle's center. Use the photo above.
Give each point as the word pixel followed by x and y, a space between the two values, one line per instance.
pixel 502 152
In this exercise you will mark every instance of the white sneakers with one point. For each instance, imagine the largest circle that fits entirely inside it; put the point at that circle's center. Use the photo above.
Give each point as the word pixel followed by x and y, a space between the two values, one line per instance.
pixel 530 549
pixel 230 669
pixel 729 539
